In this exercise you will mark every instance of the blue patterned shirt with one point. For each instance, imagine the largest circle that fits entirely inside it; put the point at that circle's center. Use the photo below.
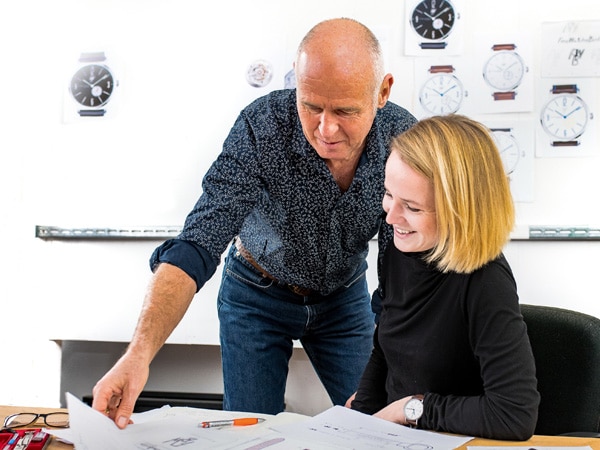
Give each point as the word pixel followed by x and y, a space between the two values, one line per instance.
pixel 270 187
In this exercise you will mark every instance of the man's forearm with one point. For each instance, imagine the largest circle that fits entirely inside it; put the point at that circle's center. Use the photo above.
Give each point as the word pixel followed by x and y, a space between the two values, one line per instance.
pixel 169 295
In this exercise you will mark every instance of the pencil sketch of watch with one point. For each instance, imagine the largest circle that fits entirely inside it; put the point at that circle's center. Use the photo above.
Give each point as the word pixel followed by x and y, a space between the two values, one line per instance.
pixel 508 147
pixel 433 20
pixel 443 92
pixel 504 71
pixel 565 116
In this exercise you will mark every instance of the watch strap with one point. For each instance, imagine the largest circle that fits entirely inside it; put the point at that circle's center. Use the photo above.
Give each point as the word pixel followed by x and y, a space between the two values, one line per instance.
pixel 87 57
pixel 498 47
pixel 564 89
pixel 91 112
pixel 510 95
pixel 564 143
pixel 441 69
pixel 433 45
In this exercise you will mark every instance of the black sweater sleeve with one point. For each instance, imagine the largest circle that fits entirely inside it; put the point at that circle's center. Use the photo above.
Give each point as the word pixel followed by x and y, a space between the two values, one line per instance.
pixel 507 408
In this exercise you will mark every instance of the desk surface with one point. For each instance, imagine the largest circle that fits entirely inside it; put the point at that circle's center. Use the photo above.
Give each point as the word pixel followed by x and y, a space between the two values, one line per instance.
pixel 54 444
pixel 535 441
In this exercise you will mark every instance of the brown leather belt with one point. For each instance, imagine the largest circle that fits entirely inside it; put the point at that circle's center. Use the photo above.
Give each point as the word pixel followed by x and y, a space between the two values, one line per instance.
pixel 248 257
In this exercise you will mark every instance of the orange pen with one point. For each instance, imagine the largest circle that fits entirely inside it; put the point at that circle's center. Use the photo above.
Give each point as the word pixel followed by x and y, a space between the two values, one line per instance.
pixel 232 422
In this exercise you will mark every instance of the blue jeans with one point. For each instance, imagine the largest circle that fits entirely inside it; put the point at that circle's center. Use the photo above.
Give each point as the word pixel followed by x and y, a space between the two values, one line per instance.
pixel 260 318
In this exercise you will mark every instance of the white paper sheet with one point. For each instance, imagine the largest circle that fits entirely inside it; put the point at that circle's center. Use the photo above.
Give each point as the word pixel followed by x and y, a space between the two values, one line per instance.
pixel 343 428
pixel 586 447
pixel 167 428
pixel 571 49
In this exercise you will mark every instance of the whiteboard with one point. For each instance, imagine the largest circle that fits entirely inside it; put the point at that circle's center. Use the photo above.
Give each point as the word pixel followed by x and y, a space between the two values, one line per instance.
pixel 182 81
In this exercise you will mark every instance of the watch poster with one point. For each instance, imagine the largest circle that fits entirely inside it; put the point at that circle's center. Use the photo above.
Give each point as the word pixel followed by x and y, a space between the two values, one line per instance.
pixel 442 86
pixel 567 123
pixel 571 49
pixel 515 140
pixel 504 76
pixel 433 27
pixel 91 87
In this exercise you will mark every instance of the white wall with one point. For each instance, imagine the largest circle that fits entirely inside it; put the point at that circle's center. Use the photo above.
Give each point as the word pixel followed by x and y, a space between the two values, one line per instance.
pixel 181 72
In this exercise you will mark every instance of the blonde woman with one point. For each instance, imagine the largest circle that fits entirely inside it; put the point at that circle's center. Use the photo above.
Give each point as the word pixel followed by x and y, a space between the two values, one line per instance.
pixel 451 351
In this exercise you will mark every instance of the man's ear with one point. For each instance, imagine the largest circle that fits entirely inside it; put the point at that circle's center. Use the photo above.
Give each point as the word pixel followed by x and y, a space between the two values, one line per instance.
pixel 385 90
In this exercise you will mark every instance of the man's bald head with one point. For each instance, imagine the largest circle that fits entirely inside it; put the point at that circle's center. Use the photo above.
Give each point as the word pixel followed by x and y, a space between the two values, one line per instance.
pixel 344 46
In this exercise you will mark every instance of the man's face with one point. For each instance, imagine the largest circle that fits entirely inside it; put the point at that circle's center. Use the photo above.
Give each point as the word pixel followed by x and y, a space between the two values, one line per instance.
pixel 336 108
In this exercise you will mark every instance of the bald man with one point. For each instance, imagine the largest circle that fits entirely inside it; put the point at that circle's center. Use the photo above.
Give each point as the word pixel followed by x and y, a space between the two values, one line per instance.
pixel 296 196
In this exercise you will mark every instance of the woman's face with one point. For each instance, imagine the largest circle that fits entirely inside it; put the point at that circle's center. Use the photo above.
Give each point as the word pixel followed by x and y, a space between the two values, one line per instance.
pixel 410 206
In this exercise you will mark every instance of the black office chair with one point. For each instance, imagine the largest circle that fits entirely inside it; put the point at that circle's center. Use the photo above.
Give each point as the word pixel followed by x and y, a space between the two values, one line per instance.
pixel 566 348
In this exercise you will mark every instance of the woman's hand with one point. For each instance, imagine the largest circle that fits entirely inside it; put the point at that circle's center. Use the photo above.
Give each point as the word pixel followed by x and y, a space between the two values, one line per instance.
pixel 394 412
pixel 350 400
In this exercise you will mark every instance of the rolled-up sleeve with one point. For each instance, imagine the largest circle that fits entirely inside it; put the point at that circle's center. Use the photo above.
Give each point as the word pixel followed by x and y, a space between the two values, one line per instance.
pixel 189 257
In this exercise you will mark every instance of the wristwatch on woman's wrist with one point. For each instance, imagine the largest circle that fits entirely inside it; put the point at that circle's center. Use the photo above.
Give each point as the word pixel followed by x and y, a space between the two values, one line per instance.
pixel 413 410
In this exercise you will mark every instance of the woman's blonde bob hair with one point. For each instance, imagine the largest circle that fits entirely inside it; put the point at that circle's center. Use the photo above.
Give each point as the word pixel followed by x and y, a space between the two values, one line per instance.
pixel 473 203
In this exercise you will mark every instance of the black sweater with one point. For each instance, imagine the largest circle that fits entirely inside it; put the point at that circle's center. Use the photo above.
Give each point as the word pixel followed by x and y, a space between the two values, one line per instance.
pixel 460 340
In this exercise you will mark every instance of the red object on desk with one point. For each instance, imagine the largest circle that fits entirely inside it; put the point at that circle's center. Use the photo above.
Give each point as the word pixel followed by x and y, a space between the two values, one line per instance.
pixel 34 438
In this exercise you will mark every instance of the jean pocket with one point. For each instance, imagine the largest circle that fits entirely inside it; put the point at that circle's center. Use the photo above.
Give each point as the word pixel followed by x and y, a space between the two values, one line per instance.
pixel 238 268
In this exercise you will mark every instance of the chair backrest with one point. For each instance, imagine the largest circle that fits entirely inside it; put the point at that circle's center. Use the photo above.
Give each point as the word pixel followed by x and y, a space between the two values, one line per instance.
pixel 566 347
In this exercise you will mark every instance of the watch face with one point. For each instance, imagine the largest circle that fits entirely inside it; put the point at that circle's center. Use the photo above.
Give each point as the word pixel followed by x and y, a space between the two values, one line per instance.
pixel 259 73
pixel 565 117
pixel 92 85
pixel 433 19
pixel 413 409
pixel 509 150
pixel 504 70
pixel 441 94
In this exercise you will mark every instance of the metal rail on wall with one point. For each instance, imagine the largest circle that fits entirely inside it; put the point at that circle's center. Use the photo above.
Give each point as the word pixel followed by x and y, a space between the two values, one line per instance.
pixel 166 232
pixel 156 232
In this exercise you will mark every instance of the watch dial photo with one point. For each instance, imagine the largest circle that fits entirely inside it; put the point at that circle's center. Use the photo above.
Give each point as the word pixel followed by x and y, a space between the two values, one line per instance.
pixel 92 85
pixel 441 94
pixel 259 73
pixel 509 150
pixel 565 117
pixel 504 70
pixel 433 19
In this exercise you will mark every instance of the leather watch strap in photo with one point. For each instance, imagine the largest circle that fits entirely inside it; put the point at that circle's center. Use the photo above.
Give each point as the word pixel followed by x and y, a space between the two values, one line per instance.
pixel 441 69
